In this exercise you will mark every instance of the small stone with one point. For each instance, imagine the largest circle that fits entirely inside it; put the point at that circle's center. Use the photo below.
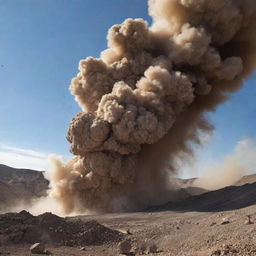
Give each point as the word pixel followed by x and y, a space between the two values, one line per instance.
pixel 128 232
pixel 224 221
pixel 248 221
pixel 152 248
pixel 216 253
pixel 37 248
pixel 125 231
pixel 143 247
pixel 125 247
pixel 82 249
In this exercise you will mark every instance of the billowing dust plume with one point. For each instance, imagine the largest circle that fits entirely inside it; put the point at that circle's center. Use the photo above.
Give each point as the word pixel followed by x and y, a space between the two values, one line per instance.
pixel 226 174
pixel 144 100
pixel 233 167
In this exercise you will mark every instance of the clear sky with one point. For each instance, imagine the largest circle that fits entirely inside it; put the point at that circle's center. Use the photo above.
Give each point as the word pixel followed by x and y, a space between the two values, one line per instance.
pixel 41 44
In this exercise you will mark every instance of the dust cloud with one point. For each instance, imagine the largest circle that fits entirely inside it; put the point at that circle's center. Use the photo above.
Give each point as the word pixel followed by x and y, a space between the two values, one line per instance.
pixel 143 102
pixel 233 167
pixel 229 172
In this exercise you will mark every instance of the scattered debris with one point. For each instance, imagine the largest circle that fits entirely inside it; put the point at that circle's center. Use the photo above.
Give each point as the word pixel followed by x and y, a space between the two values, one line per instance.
pixel 248 220
pixel 216 253
pixel 125 247
pixel 228 249
pixel 129 232
pixel 37 248
pixel 146 247
pixel 124 231
pixel 225 250
pixel 141 248
pixel 47 252
pixel 152 248
pixel 224 221
pixel 17 228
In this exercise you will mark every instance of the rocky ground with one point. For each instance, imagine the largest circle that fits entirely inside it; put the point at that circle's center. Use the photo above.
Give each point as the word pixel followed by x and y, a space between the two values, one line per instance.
pixel 174 234
pixel 214 223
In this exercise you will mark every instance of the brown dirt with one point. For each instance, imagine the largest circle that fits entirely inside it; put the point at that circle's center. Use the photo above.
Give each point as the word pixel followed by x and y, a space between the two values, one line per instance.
pixel 21 228
pixel 174 233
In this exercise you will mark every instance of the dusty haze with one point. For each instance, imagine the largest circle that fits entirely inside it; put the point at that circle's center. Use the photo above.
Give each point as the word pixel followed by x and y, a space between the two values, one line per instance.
pixel 143 102
pixel 233 167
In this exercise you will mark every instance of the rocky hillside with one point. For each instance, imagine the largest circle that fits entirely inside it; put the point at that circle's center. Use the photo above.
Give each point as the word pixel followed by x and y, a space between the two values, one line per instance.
pixel 240 195
pixel 20 186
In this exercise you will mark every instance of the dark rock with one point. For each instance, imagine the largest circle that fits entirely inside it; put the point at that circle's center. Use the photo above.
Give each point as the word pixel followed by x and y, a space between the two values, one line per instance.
pixel 37 248
pixel 152 248
pixel 20 228
pixel 125 247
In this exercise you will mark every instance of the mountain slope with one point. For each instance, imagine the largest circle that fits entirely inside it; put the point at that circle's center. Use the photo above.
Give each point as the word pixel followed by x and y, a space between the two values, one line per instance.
pixel 20 186
pixel 228 198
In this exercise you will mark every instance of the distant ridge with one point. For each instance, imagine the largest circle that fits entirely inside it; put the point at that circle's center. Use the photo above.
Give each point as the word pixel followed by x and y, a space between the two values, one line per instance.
pixel 248 179
pixel 240 195
pixel 20 186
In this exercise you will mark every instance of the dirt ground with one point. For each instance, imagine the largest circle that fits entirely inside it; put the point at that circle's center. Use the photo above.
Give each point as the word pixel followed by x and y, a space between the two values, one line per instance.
pixel 174 233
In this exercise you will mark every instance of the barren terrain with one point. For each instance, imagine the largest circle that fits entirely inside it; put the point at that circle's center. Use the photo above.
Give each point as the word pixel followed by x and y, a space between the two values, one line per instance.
pixel 214 223
pixel 175 233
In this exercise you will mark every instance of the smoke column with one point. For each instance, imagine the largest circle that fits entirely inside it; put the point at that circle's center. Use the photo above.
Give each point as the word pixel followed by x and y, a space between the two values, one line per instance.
pixel 144 100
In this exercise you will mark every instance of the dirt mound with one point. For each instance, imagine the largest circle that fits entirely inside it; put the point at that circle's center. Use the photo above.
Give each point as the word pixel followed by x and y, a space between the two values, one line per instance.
pixel 17 228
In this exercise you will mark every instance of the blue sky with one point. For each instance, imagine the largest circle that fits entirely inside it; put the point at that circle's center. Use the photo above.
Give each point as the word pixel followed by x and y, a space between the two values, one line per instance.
pixel 41 44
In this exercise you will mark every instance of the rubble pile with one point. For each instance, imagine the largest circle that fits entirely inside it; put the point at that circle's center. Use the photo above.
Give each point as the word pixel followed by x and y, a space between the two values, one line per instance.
pixel 17 228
